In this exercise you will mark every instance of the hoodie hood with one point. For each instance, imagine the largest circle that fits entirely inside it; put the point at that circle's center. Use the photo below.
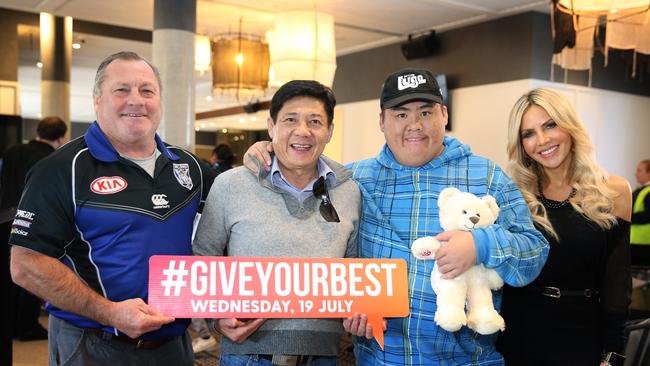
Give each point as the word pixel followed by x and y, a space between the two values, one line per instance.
pixel 454 150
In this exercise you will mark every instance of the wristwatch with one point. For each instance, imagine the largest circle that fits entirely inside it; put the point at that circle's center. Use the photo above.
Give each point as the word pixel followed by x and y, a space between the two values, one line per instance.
pixel 613 359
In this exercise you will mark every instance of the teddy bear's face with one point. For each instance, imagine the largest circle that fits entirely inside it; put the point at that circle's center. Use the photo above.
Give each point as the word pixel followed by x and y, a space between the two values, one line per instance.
pixel 465 211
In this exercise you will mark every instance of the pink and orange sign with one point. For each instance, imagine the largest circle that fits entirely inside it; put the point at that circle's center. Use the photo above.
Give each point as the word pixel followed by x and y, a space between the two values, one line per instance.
pixel 254 287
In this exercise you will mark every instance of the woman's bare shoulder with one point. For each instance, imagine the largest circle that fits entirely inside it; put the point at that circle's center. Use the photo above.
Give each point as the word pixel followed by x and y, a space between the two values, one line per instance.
pixel 623 199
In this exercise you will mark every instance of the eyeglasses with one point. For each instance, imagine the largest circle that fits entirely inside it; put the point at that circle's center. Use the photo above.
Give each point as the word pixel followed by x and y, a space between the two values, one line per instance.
pixel 326 208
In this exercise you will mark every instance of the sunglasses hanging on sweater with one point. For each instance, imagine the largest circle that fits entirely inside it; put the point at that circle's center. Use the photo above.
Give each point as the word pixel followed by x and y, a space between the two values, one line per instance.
pixel 326 208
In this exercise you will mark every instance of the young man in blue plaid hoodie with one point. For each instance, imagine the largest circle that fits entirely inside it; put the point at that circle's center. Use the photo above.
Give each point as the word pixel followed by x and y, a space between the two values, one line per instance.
pixel 400 189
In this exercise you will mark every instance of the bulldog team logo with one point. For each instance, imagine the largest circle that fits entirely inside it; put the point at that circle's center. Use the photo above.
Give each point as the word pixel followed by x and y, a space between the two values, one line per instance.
pixel 182 174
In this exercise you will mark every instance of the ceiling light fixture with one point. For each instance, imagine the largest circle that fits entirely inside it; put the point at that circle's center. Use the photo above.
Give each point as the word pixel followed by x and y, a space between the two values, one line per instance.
pixel 302 47
pixel 240 64
pixel 576 23
pixel 202 56
pixel 602 7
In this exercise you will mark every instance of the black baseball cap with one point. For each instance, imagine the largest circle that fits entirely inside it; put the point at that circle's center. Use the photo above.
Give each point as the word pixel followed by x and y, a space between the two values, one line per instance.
pixel 409 84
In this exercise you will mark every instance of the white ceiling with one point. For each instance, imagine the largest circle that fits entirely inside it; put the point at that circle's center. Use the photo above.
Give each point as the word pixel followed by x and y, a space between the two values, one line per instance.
pixel 359 25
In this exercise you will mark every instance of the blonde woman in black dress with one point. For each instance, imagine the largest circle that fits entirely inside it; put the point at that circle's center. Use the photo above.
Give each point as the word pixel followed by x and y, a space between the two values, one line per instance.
pixel 574 313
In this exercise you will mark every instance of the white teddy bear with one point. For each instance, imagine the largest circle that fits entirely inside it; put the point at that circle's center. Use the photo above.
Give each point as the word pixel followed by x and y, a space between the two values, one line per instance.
pixel 463 211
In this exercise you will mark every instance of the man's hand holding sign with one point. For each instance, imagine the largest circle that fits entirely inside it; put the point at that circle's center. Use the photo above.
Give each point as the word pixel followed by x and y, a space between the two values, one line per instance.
pixel 236 288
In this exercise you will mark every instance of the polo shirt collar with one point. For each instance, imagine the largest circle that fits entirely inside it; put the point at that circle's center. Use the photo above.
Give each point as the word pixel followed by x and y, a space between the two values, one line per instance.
pixel 275 175
pixel 101 149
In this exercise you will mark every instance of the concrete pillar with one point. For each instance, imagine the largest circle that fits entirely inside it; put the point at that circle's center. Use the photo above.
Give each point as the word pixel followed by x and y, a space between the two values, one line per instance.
pixel 9 91
pixel 56 56
pixel 173 54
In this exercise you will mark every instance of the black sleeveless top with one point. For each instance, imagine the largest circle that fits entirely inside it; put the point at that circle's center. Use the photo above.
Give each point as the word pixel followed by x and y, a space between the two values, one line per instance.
pixel 572 328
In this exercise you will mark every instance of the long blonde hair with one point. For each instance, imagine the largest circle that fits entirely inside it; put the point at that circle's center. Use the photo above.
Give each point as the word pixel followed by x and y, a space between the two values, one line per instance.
pixel 594 198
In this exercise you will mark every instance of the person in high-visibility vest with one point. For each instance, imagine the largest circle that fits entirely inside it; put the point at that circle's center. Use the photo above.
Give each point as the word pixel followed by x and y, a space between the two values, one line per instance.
pixel 640 230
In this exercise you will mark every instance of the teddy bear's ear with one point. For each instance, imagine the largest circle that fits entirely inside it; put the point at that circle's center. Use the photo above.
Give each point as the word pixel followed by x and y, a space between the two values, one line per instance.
pixel 446 194
pixel 492 204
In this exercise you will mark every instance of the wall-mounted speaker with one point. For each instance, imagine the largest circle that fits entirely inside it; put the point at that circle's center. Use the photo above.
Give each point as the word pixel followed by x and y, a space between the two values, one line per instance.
pixel 422 46
pixel 252 107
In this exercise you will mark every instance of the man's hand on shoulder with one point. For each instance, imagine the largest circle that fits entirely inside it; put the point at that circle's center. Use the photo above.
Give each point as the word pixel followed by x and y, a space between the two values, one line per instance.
pixel 259 152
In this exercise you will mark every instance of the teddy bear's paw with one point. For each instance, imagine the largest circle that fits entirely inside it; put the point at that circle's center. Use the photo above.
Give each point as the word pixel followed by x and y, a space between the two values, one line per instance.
pixel 425 248
pixel 450 319
pixel 485 321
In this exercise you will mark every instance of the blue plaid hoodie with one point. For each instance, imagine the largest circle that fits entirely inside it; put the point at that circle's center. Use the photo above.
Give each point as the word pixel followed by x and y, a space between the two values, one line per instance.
pixel 400 204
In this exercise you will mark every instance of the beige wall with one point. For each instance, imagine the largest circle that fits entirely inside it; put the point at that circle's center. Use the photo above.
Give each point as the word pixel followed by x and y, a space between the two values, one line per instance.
pixel 334 149
pixel 618 123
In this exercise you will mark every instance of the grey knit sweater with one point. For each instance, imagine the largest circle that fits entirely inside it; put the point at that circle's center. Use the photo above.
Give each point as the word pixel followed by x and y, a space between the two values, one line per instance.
pixel 245 215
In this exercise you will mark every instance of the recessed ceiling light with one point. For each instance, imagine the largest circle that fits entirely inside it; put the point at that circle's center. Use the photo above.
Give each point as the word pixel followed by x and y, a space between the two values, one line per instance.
pixel 39 65
pixel 76 45
pixel 225 130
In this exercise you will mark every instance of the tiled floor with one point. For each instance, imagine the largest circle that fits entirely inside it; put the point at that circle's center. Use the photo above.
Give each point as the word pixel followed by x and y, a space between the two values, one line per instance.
pixel 32 353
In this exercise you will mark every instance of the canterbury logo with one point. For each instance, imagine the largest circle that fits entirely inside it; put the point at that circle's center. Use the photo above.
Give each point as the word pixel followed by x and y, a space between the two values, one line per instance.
pixel 410 81
pixel 108 185
pixel 159 199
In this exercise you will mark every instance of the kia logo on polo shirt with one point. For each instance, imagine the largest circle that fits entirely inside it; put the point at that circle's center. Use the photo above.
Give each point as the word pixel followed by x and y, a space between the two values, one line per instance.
pixel 108 185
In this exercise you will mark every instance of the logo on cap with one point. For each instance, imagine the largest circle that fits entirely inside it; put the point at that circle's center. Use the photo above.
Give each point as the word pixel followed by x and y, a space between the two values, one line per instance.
pixel 410 81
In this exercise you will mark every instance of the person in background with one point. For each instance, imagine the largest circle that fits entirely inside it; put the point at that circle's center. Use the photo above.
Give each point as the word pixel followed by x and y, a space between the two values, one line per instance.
pixel 400 189
pixel 50 135
pixel 222 158
pixel 306 206
pixel 95 211
pixel 574 313
pixel 22 308
pixel 640 231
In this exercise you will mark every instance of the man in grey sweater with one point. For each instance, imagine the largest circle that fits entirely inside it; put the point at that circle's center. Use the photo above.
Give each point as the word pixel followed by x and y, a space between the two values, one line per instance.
pixel 306 206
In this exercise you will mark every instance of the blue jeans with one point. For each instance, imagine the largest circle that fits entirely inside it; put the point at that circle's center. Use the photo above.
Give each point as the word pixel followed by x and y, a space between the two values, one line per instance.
pixel 254 360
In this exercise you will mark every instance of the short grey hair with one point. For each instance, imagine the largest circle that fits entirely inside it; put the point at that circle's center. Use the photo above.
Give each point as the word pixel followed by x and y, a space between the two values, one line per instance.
pixel 123 55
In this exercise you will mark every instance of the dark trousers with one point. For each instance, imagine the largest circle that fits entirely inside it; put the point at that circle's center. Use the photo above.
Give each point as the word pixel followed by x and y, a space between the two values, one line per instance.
pixel 69 345
pixel 6 307
pixel 640 255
